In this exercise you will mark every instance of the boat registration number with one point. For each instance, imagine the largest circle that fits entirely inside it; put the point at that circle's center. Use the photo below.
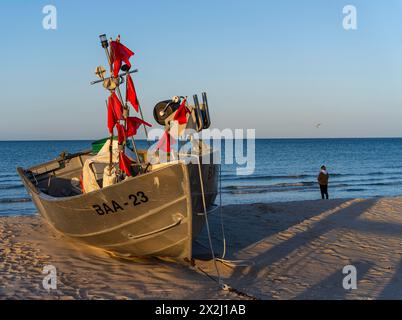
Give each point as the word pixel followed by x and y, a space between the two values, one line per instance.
pixel 114 206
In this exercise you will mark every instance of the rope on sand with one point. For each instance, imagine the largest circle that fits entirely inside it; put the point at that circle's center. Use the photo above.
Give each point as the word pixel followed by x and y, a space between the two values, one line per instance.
pixel 222 285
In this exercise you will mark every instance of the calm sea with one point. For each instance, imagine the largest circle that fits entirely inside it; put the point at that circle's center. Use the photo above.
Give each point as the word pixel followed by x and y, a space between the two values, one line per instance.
pixel 285 170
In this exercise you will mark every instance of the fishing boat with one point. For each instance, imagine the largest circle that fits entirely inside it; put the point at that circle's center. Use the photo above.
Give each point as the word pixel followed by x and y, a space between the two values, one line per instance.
pixel 126 200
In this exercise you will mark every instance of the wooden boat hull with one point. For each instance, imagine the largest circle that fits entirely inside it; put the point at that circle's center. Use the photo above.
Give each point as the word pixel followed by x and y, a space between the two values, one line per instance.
pixel 154 214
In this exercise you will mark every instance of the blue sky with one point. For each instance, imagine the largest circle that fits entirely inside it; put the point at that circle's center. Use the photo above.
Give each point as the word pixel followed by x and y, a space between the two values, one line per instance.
pixel 277 66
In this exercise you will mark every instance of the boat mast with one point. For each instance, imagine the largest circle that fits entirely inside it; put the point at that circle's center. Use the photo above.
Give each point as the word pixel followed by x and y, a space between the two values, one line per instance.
pixel 105 45
pixel 126 113
pixel 114 86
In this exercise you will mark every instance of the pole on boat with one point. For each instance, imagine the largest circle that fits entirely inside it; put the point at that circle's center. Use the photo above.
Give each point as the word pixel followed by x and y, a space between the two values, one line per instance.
pixel 115 83
pixel 105 45
pixel 125 118
pixel 110 150
pixel 126 114
pixel 142 117
pixel 119 76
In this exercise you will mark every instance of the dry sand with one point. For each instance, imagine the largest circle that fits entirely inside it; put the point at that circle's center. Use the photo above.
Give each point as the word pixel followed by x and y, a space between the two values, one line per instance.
pixel 294 250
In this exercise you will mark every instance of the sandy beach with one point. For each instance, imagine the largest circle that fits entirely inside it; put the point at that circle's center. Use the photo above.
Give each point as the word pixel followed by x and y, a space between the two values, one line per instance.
pixel 293 250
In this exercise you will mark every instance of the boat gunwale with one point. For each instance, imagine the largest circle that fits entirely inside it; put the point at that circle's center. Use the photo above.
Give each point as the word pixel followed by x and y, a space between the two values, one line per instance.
pixel 49 198
pixel 46 197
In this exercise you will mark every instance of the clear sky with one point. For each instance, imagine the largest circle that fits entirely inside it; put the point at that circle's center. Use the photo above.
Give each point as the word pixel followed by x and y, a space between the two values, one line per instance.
pixel 277 66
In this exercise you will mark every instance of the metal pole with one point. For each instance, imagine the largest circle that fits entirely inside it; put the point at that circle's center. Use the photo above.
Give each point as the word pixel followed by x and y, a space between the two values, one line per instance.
pixel 120 97
pixel 139 107
pixel 111 135
pixel 125 106
pixel 110 149
pixel 120 75
pixel 145 127
pixel 125 123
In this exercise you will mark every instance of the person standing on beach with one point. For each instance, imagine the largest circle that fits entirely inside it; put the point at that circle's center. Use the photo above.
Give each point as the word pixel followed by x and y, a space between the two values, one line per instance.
pixel 322 179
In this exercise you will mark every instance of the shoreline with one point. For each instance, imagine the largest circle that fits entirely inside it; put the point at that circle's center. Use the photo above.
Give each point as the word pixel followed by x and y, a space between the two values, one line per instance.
pixel 239 204
pixel 288 250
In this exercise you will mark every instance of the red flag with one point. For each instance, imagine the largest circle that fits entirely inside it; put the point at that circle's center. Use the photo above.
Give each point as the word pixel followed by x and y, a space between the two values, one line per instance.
pixel 133 123
pixel 125 164
pixel 181 114
pixel 119 53
pixel 111 119
pixel 116 106
pixel 121 134
pixel 165 142
pixel 131 93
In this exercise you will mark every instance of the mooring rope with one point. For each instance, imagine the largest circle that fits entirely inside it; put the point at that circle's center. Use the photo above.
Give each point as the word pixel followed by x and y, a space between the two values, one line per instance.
pixel 221 214
pixel 206 221
pixel 222 285
pixel 229 263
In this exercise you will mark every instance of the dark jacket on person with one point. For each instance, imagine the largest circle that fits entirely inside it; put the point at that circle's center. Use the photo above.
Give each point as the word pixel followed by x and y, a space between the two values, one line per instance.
pixel 323 178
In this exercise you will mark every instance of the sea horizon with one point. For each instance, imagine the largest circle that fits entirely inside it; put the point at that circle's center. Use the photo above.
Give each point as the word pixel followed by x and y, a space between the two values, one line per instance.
pixel 144 139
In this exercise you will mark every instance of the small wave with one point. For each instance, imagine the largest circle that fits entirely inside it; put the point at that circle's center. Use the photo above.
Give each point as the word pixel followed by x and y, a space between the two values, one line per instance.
pixel 384 184
pixel 9 180
pixel 377 173
pixel 18 211
pixel 381 173
pixel 303 186
pixel 304 176
pixel 265 177
pixel 11 186
pixel 267 186
pixel 280 187
pixel 379 184
pixel 365 180
pixel 8 175
pixel 296 184
pixel 249 191
pixel 15 200
pixel 236 187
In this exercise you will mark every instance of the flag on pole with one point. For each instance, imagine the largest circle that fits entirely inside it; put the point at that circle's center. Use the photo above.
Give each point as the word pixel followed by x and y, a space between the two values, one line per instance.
pixel 125 164
pixel 116 105
pixel 133 123
pixel 165 142
pixel 181 113
pixel 111 119
pixel 131 94
pixel 114 111
pixel 121 134
pixel 119 53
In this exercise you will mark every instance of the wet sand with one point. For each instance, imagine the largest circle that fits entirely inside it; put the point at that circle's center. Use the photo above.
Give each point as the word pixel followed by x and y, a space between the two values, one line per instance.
pixel 293 250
